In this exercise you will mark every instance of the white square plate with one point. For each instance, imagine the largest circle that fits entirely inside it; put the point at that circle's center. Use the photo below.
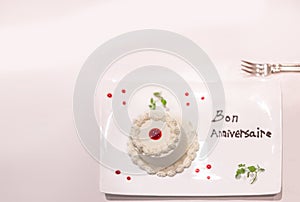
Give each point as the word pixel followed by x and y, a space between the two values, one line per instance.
pixel 257 106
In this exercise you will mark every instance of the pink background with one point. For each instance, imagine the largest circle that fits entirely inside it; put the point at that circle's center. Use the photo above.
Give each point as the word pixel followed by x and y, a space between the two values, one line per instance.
pixel 44 43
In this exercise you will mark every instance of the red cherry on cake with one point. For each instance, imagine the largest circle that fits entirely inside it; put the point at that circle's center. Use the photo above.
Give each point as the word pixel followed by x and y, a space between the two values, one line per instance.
pixel 155 134
pixel 109 95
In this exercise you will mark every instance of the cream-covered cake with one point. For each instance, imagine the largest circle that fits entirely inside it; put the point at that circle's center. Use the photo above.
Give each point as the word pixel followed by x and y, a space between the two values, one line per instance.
pixel 160 145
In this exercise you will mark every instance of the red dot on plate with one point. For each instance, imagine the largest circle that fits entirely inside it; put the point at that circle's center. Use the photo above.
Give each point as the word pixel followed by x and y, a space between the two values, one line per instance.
pixel 187 104
pixel 208 166
pixel 197 170
pixel 208 177
pixel 186 94
pixel 124 103
pixel 128 178
pixel 118 172
pixel 123 91
pixel 109 95
pixel 202 98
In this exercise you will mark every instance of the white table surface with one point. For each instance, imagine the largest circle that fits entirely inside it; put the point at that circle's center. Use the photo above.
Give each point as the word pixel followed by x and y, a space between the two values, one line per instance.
pixel 44 43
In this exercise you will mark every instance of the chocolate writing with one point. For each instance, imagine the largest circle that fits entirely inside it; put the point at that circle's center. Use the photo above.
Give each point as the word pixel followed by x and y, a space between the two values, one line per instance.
pixel 239 133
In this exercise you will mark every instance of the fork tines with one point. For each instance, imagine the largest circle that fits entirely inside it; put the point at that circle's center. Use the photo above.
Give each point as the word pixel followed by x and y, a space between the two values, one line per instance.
pixel 249 67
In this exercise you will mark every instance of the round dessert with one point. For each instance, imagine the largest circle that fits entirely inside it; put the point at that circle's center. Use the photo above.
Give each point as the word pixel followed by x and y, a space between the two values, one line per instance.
pixel 160 145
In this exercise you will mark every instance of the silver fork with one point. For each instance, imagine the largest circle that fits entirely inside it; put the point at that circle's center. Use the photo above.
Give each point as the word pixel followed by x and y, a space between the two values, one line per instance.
pixel 265 69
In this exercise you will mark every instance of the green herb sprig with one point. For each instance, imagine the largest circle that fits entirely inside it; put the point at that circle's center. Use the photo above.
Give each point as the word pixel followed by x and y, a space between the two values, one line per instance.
pixel 157 95
pixel 250 171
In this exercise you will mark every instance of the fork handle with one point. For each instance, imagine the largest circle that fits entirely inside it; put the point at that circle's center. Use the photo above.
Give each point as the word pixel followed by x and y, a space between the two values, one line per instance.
pixel 289 67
